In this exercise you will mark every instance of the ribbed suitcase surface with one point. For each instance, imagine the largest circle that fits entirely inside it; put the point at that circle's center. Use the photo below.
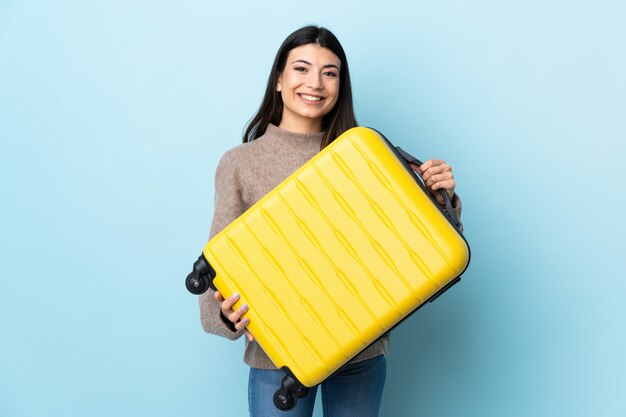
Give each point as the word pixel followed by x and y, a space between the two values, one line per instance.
pixel 336 255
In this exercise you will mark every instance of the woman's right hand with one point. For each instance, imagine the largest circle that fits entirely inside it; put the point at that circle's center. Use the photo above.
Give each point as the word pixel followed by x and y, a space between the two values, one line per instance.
pixel 226 305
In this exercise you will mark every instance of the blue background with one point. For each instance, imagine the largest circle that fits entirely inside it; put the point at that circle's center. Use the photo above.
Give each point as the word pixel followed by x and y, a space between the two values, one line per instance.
pixel 113 115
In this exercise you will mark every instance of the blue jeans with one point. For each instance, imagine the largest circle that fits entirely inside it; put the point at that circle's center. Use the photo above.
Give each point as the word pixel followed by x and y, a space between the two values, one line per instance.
pixel 354 391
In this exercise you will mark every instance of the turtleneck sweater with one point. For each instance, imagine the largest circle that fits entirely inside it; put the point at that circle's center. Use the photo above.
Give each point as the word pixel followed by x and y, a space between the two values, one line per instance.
pixel 244 175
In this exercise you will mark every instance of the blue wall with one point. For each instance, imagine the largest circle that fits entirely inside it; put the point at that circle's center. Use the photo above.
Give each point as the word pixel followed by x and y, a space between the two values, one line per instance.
pixel 113 116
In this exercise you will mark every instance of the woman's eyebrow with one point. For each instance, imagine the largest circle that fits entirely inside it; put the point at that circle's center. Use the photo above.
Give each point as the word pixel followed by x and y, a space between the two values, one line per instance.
pixel 308 63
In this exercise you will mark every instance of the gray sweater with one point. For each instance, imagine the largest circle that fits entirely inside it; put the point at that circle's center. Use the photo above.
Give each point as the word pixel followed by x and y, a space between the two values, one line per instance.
pixel 244 175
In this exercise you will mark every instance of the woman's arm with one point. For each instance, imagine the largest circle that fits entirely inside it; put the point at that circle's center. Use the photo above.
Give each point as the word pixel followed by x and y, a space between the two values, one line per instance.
pixel 215 312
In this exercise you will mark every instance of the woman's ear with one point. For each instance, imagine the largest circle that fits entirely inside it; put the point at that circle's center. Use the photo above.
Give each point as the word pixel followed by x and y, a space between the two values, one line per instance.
pixel 278 85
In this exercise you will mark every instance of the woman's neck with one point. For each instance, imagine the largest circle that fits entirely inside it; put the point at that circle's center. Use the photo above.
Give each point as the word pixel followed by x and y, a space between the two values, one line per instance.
pixel 301 126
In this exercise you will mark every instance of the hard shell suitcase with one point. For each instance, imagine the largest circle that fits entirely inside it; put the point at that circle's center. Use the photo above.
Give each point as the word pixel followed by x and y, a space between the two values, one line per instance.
pixel 334 257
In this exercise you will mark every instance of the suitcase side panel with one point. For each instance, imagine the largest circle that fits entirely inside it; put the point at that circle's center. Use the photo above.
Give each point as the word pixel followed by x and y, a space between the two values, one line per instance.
pixel 335 256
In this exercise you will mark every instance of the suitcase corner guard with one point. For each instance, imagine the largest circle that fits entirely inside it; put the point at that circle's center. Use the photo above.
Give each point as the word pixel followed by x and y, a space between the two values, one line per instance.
pixel 201 277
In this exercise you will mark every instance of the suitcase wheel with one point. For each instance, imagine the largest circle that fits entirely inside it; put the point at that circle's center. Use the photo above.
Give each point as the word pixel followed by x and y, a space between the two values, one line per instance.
pixel 201 278
pixel 284 402
pixel 196 284
pixel 286 397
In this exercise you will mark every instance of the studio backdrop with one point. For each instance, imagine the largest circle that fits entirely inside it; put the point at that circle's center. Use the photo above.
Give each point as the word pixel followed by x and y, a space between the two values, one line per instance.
pixel 113 116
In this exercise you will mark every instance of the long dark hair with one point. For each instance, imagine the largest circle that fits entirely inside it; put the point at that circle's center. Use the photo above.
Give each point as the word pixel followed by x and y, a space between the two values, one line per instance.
pixel 338 120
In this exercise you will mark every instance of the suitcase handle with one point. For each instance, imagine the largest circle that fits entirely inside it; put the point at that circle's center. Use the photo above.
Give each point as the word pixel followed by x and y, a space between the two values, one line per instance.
pixel 449 211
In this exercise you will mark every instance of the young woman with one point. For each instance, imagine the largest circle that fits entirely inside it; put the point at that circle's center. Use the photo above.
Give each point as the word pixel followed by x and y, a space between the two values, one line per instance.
pixel 307 104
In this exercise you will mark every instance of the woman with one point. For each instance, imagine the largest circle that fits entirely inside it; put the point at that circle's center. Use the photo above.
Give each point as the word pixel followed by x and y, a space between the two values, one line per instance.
pixel 307 104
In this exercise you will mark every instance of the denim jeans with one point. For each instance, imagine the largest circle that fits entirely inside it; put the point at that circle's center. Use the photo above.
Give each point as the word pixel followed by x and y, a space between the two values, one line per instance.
pixel 354 391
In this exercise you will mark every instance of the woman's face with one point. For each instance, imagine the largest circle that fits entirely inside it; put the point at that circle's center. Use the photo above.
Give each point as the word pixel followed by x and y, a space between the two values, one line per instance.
pixel 309 87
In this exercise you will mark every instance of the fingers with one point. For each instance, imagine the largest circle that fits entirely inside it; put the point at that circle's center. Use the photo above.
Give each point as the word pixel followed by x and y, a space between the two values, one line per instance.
pixel 238 318
pixel 435 170
pixel 437 181
pixel 430 163
pixel 437 174
pixel 235 316
pixel 433 174
pixel 226 304
pixel 249 335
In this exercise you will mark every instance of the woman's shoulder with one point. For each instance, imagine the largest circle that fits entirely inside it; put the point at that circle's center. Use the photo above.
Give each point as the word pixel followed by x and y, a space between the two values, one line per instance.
pixel 236 154
pixel 244 155
pixel 247 152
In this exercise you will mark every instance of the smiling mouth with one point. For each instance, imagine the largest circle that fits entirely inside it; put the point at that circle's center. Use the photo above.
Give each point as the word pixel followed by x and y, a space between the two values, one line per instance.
pixel 307 97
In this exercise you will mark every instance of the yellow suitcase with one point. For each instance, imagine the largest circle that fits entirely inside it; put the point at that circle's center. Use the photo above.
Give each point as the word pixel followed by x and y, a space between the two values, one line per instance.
pixel 334 257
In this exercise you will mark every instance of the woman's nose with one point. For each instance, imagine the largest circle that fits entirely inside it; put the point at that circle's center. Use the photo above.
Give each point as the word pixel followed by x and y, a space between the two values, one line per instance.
pixel 314 81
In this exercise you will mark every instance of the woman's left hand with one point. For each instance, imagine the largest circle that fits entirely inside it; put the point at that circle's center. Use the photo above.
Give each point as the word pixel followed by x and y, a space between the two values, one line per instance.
pixel 437 175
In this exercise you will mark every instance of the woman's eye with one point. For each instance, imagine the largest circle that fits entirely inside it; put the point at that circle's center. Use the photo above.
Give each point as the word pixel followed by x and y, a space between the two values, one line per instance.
pixel 330 74
pixel 299 69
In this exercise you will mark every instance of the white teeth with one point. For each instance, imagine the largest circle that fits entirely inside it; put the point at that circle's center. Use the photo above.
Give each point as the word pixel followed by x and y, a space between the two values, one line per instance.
pixel 310 98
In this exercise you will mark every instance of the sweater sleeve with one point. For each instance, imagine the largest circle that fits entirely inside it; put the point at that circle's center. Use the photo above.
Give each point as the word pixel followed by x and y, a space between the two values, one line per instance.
pixel 228 206
pixel 456 206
